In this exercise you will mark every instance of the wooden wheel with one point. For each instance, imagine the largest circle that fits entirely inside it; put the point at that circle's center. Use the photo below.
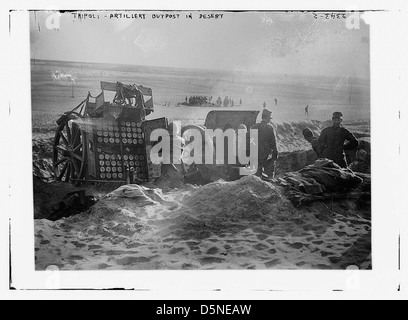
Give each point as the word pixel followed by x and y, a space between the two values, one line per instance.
pixel 69 152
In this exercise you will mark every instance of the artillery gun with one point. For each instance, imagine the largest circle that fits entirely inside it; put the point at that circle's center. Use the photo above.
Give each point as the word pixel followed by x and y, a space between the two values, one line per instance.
pixel 102 141
pixel 219 119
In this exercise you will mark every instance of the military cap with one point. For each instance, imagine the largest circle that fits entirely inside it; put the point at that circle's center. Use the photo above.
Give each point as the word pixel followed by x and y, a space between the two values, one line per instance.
pixel 337 114
pixel 266 113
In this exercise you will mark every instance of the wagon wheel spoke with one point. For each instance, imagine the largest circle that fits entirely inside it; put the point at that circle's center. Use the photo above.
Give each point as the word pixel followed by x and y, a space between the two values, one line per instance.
pixel 68 175
pixel 64 139
pixel 73 173
pixel 64 169
pixel 77 147
pixel 76 135
pixel 77 156
pixel 76 169
pixel 69 135
pixel 61 148
pixel 61 161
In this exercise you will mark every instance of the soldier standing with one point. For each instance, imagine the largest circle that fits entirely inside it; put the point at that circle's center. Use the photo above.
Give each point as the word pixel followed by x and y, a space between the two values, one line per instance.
pixel 335 139
pixel 267 150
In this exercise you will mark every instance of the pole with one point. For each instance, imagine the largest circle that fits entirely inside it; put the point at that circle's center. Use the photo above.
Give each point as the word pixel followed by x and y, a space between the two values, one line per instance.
pixel 274 170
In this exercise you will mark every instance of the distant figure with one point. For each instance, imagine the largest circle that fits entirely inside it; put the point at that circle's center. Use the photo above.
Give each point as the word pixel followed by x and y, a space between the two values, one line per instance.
pixel 226 102
pixel 240 102
pixel 232 102
pixel 267 150
pixel 314 141
pixel 307 110
pixel 276 102
pixel 264 105
pixel 335 139
pixel 186 99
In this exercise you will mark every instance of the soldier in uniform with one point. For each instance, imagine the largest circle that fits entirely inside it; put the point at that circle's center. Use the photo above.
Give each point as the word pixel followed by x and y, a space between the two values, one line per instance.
pixel 267 150
pixel 314 141
pixel 335 139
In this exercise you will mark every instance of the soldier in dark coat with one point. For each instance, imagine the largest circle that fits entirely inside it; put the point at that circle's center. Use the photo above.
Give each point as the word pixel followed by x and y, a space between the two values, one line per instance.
pixel 335 139
pixel 314 141
pixel 267 150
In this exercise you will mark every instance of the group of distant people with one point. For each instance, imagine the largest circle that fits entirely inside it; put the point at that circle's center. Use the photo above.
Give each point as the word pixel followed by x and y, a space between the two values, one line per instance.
pixel 194 100
pixel 227 102
pixel 276 103
pixel 200 100
pixel 275 100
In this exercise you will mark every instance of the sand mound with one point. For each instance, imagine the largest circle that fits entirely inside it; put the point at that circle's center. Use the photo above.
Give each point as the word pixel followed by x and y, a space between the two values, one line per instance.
pixel 289 135
pixel 245 200
pixel 246 224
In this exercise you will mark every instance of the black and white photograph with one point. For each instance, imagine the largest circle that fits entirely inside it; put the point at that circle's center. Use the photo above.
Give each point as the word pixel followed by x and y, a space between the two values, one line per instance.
pixel 204 147
pixel 103 81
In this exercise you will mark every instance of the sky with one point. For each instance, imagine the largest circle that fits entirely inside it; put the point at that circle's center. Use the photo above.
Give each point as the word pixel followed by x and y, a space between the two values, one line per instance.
pixel 271 42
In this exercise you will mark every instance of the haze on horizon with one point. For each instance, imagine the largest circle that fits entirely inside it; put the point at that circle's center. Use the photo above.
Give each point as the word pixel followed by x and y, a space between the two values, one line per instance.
pixel 268 42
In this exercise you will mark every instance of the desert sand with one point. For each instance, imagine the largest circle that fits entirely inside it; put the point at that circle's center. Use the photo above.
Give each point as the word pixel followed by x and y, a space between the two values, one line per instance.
pixel 246 224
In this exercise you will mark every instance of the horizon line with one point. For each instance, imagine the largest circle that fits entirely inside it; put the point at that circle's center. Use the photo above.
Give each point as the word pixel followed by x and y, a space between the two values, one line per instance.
pixel 202 69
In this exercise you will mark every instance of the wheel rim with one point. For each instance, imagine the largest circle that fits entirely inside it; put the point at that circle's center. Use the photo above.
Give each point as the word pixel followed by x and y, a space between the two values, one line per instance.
pixel 69 152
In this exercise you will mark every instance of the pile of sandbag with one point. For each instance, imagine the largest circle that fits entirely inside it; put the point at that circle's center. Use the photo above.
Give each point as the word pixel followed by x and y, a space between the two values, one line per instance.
pixel 320 180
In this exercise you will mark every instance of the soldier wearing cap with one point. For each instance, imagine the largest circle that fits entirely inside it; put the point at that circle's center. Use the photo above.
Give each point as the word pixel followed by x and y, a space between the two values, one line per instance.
pixel 335 139
pixel 266 141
